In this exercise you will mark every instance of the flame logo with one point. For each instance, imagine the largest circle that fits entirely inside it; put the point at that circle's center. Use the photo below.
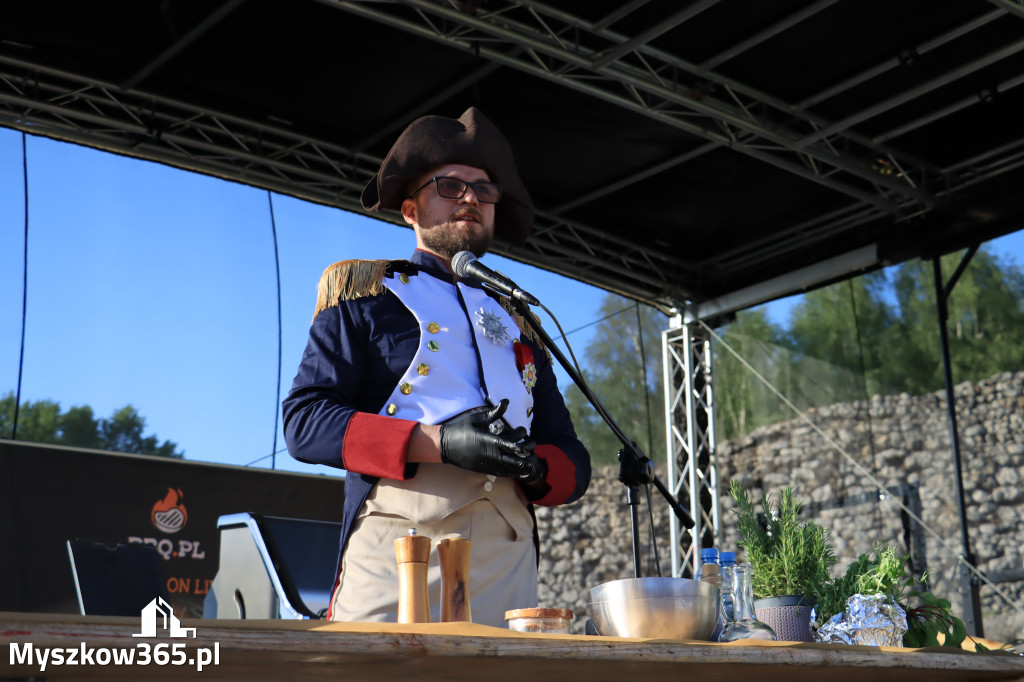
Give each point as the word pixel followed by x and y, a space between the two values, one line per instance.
pixel 168 514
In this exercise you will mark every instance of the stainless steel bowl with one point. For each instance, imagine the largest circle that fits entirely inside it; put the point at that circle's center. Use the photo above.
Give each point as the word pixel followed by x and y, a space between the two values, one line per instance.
pixel 668 608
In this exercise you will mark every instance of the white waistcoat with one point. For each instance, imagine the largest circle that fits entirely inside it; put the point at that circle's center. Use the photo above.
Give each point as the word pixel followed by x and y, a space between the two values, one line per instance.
pixel 444 377
pixel 444 380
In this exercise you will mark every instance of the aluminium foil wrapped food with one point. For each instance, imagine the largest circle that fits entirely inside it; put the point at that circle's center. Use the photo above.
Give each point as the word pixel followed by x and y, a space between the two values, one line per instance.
pixel 869 619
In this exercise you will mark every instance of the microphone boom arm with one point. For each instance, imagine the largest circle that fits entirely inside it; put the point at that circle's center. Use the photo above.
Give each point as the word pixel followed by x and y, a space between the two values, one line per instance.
pixel 635 467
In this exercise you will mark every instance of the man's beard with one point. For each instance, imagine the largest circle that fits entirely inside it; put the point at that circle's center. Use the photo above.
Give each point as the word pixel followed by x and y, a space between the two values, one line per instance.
pixel 448 239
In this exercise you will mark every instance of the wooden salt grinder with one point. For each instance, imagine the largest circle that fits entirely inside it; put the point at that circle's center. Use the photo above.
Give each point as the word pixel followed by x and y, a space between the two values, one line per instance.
pixel 454 556
pixel 413 553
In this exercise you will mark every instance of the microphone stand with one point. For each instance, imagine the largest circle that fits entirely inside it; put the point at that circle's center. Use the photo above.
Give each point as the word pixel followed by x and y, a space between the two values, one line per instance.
pixel 635 469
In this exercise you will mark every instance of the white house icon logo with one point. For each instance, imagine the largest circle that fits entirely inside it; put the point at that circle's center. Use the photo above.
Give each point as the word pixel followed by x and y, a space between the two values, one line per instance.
pixel 153 611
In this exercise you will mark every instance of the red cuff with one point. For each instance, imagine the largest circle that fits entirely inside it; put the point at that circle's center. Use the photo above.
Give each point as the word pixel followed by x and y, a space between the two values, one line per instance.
pixel 375 445
pixel 561 475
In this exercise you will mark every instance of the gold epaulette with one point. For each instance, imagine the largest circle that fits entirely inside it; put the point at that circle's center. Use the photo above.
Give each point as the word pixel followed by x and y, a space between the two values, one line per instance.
pixel 524 328
pixel 349 279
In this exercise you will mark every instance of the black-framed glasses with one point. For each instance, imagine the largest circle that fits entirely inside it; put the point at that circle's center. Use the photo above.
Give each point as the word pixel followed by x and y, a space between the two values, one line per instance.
pixel 455 188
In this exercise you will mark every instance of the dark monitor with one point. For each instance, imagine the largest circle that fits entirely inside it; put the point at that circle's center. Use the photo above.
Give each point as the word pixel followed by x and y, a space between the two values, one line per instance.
pixel 305 556
pixel 273 567
pixel 115 581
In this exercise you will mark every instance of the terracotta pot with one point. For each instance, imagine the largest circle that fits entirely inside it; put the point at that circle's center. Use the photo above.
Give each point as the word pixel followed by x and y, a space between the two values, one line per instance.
pixel 789 616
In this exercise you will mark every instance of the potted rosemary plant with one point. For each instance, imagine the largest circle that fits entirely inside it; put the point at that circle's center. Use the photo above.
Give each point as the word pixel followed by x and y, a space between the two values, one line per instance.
pixel 790 559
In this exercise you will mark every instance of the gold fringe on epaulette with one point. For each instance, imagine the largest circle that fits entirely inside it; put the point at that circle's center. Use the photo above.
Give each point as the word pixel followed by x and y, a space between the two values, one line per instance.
pixel 349 279
pixel 524 328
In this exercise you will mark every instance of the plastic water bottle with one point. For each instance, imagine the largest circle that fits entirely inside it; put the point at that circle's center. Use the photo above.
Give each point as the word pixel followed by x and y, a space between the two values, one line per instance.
pixel 710 572
pixel 709 566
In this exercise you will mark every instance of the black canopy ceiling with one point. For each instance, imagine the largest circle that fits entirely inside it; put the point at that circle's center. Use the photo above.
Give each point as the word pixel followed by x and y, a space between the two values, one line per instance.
pixel 711 152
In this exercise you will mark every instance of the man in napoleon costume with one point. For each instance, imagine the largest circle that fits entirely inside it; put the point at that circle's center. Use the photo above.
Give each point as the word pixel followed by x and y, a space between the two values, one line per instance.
pixel 433 395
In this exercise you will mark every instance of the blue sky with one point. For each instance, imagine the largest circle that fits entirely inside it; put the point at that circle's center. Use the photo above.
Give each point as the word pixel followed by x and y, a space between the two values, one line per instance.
pixel 156 287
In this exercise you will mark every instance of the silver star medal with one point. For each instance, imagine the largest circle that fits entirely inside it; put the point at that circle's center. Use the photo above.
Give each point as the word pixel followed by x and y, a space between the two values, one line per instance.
pixel 492 326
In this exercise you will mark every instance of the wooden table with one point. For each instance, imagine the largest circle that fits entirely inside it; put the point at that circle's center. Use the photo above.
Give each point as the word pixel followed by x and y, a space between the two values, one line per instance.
pixel 300 650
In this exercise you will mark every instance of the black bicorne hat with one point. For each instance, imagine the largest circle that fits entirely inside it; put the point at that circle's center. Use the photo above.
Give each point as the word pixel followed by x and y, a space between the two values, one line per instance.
pixel 473 140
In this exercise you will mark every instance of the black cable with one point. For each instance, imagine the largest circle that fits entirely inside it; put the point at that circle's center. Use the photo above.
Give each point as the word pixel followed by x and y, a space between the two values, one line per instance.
pixel 864 389
pixel 647 389
pixel 650 432
pixel 260 459
pixel 654 541
pixel 24 287
pixel 589 324
pixel 563 336
pixel 277 392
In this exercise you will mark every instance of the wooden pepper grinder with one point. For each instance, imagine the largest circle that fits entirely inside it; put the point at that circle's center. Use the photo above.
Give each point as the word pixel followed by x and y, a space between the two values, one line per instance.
pixel 454 556
pixel 413 553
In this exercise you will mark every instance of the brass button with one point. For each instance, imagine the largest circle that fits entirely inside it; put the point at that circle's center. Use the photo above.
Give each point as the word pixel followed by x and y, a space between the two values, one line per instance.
pixel 405 388
pixel 423 369
pixel 403 278
pixel 433 327
pixel 433 345
pixel 392 410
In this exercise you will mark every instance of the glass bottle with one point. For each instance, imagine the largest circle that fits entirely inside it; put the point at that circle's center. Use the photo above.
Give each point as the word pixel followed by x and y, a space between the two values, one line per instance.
pixel 744 624
pixel 728 563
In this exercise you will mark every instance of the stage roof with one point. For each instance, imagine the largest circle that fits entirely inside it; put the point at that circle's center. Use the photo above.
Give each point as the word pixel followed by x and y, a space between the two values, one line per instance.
pixel 712 153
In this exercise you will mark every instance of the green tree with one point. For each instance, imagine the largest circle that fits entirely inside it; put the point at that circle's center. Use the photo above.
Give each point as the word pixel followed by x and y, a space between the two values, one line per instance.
pixel 870 335
pixel 742 401
pixel 626 382
pixel 123 433
pixel 43 422
pixel 985 325
pixel 849 327
pixel 37 422
pixel 78 426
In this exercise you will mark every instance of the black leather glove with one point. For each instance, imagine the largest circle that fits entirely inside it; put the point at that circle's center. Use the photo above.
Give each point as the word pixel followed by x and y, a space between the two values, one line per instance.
pixel 536 469
pixel 481 442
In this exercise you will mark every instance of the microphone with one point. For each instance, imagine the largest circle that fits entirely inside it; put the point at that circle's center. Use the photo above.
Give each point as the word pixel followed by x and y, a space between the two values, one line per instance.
pixel 467 266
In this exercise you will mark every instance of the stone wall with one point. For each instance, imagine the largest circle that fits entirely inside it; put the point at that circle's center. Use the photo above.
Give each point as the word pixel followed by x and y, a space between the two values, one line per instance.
pixel 902 442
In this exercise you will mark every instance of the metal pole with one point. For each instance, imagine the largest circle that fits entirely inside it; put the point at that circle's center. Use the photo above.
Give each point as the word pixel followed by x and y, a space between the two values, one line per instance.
pixel 968 585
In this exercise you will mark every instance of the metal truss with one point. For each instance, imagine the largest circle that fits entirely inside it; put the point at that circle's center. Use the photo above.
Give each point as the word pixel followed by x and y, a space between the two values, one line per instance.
pixel 628 72
pixel 68 107
pixel 568 50
pixel 99 114
pixel 690 441
pixel 562 48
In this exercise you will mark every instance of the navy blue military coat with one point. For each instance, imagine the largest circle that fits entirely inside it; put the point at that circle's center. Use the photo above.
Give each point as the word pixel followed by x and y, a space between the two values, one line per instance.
pixel 357 352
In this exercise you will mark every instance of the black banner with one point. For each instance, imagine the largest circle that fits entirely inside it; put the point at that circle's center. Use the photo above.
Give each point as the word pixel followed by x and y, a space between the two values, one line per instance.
pixel 49 495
